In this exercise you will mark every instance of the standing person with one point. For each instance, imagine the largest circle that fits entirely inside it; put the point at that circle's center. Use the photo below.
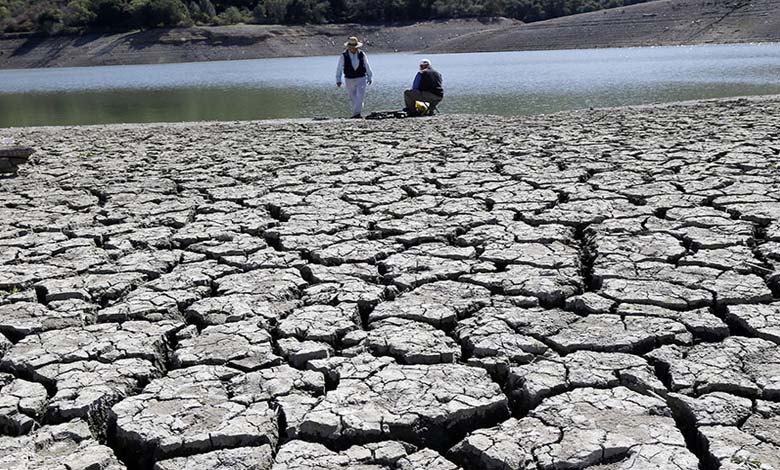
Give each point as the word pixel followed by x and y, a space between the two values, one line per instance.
pixel 427 87
pixel 353 63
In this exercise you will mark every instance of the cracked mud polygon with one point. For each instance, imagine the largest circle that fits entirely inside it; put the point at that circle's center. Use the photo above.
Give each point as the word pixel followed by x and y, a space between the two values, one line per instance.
pixel 596 289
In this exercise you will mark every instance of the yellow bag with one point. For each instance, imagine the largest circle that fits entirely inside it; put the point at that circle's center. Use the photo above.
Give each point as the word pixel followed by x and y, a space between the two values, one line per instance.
pixel 421 107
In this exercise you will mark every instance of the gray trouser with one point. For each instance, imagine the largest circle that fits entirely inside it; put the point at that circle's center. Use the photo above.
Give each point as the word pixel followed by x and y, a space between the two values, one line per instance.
pixel 357 93
pixel 410 96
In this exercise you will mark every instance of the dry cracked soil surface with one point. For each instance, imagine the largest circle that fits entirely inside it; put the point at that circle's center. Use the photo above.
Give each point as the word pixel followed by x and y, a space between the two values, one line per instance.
pixel 597 289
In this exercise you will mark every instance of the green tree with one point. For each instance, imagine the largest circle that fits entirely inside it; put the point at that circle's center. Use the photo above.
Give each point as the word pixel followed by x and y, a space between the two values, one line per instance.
pixel 50 21
pixel 307 11
pixel 276 10
pixel 234 16
pixel 78 13
pixel 111 14
pixel 259 13
pixel 160 13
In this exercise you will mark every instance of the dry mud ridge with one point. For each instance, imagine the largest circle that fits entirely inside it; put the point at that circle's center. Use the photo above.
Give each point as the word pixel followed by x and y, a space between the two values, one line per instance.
pixel 597 289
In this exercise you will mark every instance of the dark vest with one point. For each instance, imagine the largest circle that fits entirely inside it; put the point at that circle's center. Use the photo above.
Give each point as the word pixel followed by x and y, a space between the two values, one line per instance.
pixel 349 71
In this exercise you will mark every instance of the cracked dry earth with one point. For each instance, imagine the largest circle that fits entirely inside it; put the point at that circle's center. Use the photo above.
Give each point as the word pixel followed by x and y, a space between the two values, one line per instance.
pixel 597 289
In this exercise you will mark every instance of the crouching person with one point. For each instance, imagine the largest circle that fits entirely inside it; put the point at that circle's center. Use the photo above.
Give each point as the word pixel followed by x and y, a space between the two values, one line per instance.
pixel 427 88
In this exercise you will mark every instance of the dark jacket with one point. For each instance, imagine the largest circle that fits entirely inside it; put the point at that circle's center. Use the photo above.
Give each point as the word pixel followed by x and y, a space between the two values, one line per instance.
pixel 430 80
pixel 350 72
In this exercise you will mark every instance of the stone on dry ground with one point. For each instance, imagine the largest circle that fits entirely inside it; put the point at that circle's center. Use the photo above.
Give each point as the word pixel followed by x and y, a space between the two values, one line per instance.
pixel 388 455
pixel 64 446
pixel 422 404
pixel 735 431
pixel 267 295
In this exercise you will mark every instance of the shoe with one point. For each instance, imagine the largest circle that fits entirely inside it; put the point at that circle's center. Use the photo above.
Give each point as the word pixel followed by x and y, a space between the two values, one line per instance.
pixel 357 116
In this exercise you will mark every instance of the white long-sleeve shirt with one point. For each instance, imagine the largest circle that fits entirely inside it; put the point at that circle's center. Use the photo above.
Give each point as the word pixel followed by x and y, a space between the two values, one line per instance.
pixel 355 64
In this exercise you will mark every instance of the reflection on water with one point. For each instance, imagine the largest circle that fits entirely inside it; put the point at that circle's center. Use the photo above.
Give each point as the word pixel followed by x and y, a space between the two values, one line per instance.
pixel 507 83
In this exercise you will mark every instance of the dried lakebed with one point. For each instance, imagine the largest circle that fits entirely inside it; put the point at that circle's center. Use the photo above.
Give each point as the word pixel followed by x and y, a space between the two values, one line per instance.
pixel 598 289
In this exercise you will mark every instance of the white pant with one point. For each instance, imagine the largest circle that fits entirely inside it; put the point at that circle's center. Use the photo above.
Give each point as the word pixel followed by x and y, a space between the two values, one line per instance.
pixel 357 93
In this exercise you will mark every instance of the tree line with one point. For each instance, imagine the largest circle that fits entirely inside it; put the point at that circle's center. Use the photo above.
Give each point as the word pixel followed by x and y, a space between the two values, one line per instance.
pixel 73 16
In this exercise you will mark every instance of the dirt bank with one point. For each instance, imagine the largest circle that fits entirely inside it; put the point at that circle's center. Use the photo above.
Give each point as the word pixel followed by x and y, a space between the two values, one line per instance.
pixel 663 22
pixel 658 23
pixel 232 42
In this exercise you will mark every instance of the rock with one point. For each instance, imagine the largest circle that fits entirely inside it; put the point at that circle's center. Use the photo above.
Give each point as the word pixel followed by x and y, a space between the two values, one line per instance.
pixel 355 251
pixel 320 323
pixel 103 342
pixel 243 345
pixel 762 321
pixel 734 449
pixel 388 455
pixel 529 384
pixel 423 404
pixel 411 342
pixel 92 367
pixel 295 392
pixel 510 445
pixel 21 404
pixel 264 259
pixel 411 268
pixel 191 411
pixel 637 248
pixel 712 409
pixel 548 255
pixel 745 366
pixel 67 446
pixel 298 353
pixel 145 305
pixel 237 307
pixel 616 426
pixel 190 276
pixel 276 285
pixel 700 322
pixel 20 319
pixel 19 276
pixel 577 213
pixel 243 458
pixel 439 304
pixel 97 287
pixel 612 333
pixel 661 294
pixel 89 387
pixel 426 459
pixel 550 286
pixel 490 341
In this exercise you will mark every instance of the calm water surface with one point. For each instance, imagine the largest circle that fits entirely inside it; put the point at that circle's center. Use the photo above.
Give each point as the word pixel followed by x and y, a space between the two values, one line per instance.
pixel 507 83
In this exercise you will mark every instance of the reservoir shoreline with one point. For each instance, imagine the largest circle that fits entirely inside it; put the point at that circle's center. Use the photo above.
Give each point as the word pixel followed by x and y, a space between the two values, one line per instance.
pixel 655 23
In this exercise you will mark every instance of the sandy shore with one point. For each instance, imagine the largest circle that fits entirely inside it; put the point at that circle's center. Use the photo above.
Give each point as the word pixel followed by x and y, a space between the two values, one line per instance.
pixel 661 22
pixel 583 288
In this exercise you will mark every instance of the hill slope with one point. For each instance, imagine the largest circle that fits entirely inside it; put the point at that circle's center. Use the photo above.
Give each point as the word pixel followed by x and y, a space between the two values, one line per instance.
pixel 231 42
pixel 661 22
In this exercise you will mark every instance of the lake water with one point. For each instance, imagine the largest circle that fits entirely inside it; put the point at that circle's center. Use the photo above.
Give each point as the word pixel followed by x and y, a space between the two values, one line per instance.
pixel 506 83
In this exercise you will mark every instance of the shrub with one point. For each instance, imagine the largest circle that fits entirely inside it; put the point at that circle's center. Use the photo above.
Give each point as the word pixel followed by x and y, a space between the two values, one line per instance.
pixel 234 16
pixel 50 21
pixel 78 13
pixel 160 13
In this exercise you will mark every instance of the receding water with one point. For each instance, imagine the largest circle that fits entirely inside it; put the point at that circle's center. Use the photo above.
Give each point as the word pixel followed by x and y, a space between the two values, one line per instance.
pixel 507 83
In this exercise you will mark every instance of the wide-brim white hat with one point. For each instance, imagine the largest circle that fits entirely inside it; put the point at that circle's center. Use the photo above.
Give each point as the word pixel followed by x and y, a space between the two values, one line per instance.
pixel 353 42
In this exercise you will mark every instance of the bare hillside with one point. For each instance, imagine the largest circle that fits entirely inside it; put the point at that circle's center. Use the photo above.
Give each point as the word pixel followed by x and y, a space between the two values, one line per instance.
pixel 662 22
pixel 232 42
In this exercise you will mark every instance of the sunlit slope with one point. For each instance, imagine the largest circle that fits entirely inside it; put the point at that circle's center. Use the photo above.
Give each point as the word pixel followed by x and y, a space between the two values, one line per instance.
pixel 662 22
